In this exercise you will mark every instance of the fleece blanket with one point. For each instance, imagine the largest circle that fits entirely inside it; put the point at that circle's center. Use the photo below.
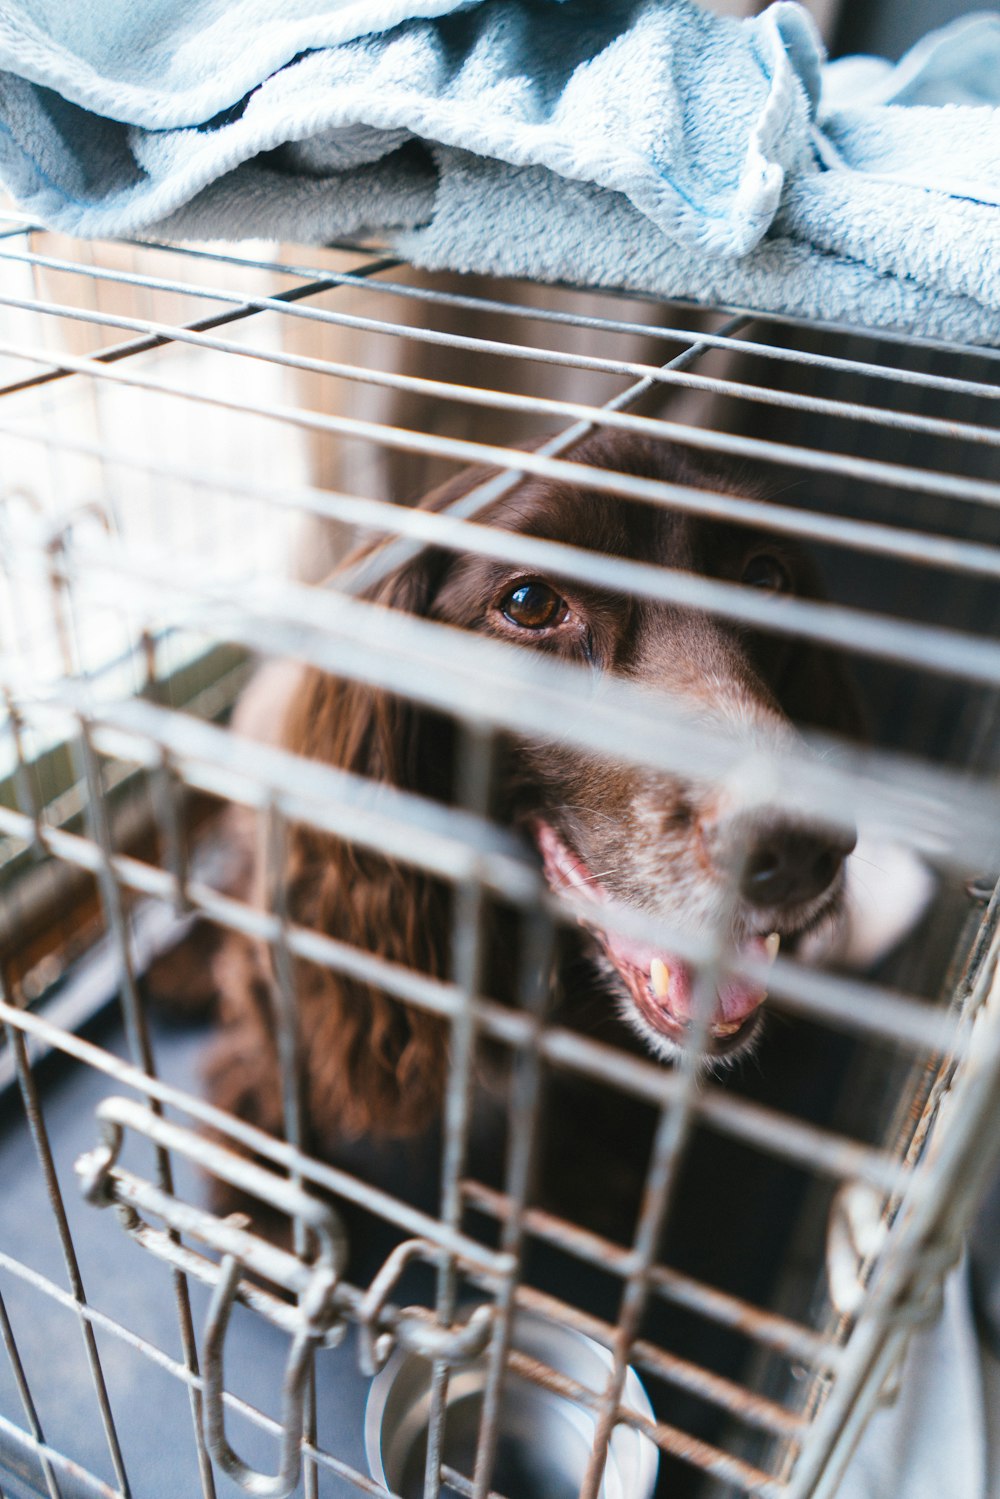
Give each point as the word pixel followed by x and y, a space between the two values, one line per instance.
pixel 643 144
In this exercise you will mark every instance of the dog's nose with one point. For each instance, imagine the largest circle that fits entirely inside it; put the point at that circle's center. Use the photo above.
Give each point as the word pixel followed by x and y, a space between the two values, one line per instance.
pixel 788 864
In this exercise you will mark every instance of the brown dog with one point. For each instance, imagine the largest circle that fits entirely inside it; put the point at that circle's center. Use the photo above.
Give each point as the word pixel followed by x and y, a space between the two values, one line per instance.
pixel 605 830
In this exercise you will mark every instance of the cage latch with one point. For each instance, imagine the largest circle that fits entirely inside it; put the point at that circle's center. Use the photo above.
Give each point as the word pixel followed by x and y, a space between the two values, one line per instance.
pixel 316 1319
pixel 411 1328
pixel 315 1307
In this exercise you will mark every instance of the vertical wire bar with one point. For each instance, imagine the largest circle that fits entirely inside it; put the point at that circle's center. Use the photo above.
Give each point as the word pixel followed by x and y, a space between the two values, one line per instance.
pixel 167 789
pixel 39 1135
pixel 140 1048
pixel 936 1212
pixel 289 1042
pixel 889 1362
pixel 24 1391
pixel 133 1015
pixel 24 788
pixel 674 1123
pixel 141 1051
pixel 167 813
pixel 525 1097
pixel 476 757
pixel 672 1132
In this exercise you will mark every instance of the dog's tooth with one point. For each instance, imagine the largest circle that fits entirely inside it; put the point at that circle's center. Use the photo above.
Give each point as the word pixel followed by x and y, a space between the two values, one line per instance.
pixel 659 977
pixel 727 1027
pixel 771 945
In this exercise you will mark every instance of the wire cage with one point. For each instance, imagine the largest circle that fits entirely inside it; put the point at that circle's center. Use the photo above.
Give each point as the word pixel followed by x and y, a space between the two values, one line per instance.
pixel 191 438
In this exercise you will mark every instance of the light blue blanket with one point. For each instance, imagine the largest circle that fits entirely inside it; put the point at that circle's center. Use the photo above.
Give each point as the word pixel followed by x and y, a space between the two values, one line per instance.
pixel 633 143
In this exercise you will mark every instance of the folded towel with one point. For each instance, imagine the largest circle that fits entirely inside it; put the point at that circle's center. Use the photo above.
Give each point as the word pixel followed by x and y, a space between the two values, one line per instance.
pixel 643 144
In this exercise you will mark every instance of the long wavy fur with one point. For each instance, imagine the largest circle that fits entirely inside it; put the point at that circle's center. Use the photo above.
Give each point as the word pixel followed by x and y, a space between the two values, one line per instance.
pixel 370 1065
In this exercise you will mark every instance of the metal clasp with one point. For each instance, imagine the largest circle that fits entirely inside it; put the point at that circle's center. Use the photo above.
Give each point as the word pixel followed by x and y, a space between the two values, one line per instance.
pixel 411 1328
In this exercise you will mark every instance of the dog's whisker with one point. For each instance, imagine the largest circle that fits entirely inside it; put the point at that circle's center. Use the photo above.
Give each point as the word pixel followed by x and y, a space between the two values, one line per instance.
pixel 859 859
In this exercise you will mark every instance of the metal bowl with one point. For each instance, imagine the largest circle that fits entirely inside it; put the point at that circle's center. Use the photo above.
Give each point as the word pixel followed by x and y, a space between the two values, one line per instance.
pixel 544 1438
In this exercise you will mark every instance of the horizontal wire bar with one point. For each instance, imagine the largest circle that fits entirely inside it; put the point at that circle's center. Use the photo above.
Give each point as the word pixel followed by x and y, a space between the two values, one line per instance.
pixel 455 533
pixel 780 1334
pixel 689 1449
pixel 485 304
pixel 903 340
pixel 919 480
pixel 474 678
pixel 772 1132
pixel 462 1485
pixel 373 1199
pixel 841 1002
pixel 756 1410
pixel 158 334
pixel 680 1444
pixel 170 1249
pixel 45 1453
pixel 945 816
pixel 669 1438
pixel 530 1369
pixel 921 548
pixel 153 340
pixel 935 811
pixel 810 324
pixel 838 1001
pixel 180 1372
pixel 422 833
pixel 330 316
pixel 932 647
pixel 426 833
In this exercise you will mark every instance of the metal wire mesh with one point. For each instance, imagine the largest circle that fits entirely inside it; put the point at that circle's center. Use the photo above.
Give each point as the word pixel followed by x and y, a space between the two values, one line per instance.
pixel 139 577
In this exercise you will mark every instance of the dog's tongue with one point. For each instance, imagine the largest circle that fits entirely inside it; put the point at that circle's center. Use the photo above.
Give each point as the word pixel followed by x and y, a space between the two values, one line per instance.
pixel 661 984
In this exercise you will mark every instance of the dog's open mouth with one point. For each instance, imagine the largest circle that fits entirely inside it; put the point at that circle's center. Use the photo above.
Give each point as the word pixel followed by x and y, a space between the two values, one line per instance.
pixel 660 984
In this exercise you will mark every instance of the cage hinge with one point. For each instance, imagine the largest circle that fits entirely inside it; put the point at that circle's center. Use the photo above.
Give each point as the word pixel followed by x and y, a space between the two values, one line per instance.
pixel 857 1233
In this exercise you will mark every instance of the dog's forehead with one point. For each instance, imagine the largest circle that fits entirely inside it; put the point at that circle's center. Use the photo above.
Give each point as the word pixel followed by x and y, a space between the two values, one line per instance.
pixel 597 521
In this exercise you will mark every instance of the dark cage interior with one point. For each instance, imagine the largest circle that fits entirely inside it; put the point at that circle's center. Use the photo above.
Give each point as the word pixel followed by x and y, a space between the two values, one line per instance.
pixel 193 441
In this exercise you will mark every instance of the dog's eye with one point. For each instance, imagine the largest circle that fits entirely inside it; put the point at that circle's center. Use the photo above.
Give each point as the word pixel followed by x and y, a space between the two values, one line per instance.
pixel 768 573
pixel 533 606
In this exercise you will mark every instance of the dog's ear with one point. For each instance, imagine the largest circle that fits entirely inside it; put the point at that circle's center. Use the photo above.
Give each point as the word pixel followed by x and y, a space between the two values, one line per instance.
pixel 373 1065
pixel 356 726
